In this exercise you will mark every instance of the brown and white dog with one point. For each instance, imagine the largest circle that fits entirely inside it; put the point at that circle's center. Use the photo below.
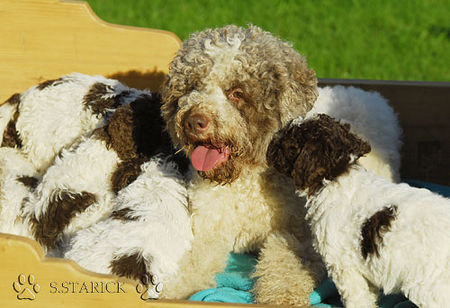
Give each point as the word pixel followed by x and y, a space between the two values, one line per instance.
pixel 371 233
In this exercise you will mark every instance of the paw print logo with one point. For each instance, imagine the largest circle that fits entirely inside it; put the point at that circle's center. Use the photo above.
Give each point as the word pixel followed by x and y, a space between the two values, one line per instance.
pixel 26 287
pixel 149 288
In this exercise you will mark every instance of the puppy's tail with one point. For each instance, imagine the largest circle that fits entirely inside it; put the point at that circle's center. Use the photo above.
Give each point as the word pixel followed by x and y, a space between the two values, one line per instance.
pixel 8 115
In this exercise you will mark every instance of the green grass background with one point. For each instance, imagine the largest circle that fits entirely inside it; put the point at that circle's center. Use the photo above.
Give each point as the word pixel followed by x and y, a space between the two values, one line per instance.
pixel 369 39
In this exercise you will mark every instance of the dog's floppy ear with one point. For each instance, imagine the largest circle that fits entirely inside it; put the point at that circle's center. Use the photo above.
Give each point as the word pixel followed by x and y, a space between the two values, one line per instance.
pixel 298 86
pixel 284 149
pixel 327 152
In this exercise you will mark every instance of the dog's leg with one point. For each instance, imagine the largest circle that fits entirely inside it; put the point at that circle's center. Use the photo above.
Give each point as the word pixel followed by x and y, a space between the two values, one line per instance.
pixel 283 277
pixel 198 267
pixel 353 287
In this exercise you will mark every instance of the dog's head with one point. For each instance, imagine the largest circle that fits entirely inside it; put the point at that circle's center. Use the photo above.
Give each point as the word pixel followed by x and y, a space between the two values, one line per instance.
pixel 228 91
pixel 315 149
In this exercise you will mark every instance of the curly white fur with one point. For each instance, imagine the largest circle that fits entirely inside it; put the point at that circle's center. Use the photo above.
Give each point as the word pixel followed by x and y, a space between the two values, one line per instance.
pixel 161 231
pixel 54 117
pixel 371 118
pixel 414 257
pixel 14 165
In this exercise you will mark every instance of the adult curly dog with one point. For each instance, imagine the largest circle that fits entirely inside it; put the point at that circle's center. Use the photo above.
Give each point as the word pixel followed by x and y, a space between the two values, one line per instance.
pixel 228 91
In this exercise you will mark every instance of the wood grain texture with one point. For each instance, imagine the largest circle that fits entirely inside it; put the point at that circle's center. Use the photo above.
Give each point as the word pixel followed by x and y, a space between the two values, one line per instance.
pixel 44 39
pixel 30 279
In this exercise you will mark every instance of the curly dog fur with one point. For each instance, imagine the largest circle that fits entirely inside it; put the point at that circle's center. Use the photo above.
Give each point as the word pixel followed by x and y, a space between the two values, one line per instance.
pixel 372 234
pixel 228 91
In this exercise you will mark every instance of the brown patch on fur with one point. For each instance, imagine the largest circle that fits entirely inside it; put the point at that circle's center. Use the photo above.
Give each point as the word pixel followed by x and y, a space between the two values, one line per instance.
pixel 126 173
pixel 28 181
pixel 132 266
pixel 373 230
pixel 124 215
pixel 318 149
pixel 62 207
pixel 11 137
pixel 137 130
pixel 97 100
pixel 14 99
pixel 48 83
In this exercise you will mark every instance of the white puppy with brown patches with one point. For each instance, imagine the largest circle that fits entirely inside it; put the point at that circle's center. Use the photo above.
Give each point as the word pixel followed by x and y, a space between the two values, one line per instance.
pixel 147 232
pixel 78 189
pixel 48 117
pixel 371 233
pixel 48 120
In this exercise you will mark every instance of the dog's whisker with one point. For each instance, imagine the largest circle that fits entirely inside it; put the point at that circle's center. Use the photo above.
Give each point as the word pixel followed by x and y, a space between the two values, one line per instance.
pixel 179 150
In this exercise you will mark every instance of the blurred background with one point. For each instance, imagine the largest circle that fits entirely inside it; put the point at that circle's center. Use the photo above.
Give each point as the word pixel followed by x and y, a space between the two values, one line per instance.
pixel 364 39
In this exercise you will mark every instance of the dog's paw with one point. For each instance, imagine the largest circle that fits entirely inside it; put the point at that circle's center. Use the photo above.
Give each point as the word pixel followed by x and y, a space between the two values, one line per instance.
pixel 150 287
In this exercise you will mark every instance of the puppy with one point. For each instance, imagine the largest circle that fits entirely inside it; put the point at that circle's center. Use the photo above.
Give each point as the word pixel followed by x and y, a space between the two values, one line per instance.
pixel 371 233
pixel 146 233
pixel 78 189
pixel 55 114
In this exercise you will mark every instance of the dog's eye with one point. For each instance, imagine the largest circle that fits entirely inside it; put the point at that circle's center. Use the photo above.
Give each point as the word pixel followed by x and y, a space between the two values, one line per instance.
pixel 235 95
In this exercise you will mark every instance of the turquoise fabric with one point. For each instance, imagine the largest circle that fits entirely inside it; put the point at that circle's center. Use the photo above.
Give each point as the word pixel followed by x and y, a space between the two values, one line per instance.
pixel 326 295
pixel 234 284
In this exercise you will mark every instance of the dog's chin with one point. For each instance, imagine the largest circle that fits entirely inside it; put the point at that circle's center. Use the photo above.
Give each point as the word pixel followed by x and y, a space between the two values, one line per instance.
pixel 223 173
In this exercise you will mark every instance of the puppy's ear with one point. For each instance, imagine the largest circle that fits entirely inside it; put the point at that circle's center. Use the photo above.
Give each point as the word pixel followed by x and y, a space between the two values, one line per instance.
pixel 311 167
pixel 330 148
pixel 339 137
pixel 284 149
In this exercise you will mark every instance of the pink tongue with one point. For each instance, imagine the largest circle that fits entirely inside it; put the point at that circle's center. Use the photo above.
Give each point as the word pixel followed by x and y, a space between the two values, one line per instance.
pixel 204 159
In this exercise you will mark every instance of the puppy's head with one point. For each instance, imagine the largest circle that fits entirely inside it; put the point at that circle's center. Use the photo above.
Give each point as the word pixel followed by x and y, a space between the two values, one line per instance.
pixel 316 149
pixel 228 91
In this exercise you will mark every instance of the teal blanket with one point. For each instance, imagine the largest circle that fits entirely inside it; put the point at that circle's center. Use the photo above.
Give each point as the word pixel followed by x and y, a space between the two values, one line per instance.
pixel 234 284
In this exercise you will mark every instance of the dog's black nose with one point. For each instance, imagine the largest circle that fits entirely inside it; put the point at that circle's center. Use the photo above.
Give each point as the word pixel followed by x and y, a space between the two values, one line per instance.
pixel 196 123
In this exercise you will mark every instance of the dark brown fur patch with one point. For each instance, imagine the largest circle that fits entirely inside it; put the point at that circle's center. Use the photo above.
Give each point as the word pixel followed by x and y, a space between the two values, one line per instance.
pixel 14 99
pixel 97 100
pixel 137 129
pixel 317 149
pixel 124 215
pixel 11 137
pixel 373 230
pixel 132 266
pixel 126 173
pixel 28 181
pixel 48 83
pixel 60 211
